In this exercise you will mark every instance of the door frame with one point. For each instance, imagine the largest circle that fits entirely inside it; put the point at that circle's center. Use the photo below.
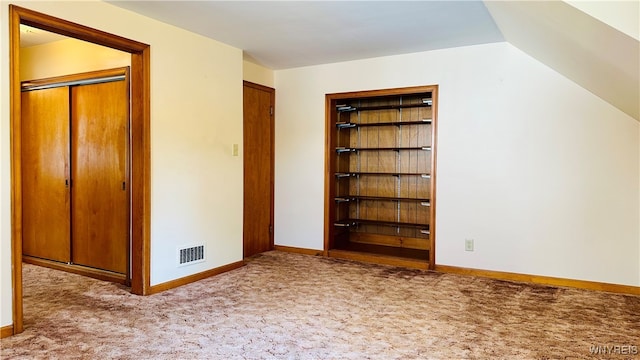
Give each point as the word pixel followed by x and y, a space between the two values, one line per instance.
pixel 329 165
pixel 70 81
pixel 139 146
pixel 272 99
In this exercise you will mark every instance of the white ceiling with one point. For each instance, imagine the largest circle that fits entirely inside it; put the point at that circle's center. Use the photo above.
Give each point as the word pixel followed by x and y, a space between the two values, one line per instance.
pixel 593 54
pixel 596 52
pixel 286 34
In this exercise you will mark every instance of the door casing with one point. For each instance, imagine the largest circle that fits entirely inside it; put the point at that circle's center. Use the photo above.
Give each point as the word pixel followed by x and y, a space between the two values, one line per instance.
pixel 140 144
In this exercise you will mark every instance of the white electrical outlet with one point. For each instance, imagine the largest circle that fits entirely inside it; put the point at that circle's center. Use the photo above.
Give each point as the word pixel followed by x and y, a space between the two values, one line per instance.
pixel 468 244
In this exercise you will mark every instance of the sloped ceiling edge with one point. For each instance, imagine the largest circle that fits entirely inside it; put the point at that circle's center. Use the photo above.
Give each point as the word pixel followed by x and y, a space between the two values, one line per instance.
pixel 589 52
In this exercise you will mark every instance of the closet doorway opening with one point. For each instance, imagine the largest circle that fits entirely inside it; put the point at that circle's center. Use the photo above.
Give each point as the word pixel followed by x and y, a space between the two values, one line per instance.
pixel 75 171
pixel 139 144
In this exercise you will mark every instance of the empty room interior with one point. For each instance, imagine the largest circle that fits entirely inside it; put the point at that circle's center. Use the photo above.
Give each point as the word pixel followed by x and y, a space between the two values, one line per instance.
pixel 320 180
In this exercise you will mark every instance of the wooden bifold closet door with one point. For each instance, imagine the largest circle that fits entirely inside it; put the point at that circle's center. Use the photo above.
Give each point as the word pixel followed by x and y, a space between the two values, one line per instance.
pixel 75 178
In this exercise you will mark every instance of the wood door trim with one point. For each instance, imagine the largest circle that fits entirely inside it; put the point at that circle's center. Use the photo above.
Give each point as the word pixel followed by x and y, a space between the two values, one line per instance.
pixel 77 31
pixel 329 168
pixel 98 74
pixel 382 92
pixel 139 146
pixel 272 95
pixel 434 175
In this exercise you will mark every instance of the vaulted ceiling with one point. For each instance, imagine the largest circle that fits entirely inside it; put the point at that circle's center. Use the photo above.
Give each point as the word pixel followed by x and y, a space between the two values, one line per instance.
pixel 597 52
pixel 592 53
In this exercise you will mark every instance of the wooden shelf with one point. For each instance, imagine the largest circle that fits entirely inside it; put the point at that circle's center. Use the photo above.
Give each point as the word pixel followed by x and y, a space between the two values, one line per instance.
pixel 356 222
pixel 349 198
pixel 387 157
pixel 375 253
pixel 358 173
pixel 386 250
pixel 341 150
pixel 350 125
pixel 427 104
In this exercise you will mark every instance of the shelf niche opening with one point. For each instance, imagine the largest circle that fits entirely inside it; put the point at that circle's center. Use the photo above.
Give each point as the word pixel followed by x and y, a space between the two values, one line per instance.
pixel 380 161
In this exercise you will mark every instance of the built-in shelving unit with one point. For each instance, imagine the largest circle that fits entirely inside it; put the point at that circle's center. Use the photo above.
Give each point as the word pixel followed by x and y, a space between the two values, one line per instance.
pixel 380 178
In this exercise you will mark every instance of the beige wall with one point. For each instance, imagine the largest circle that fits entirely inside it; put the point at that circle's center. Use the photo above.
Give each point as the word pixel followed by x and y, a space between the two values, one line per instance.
pixel 539 171
pixel 257 74
pixel 70 56
pixel 196 117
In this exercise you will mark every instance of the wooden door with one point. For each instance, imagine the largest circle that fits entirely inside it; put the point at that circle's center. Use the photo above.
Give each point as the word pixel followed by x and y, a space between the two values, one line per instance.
pixel 99 210
pixel 258 168
pixel 45 174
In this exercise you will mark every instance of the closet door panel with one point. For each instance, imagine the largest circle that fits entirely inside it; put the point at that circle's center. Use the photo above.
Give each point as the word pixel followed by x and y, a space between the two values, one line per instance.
pixel 258 170
pixel 99 161
pixel 45 173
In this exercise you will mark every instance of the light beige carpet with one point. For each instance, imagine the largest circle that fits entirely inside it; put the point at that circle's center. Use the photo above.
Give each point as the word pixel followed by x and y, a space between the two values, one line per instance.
pixel 288 306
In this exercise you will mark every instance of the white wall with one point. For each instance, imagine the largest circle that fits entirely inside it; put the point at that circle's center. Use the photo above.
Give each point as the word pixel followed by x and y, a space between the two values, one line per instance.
pixel 196 117
pixel 540 172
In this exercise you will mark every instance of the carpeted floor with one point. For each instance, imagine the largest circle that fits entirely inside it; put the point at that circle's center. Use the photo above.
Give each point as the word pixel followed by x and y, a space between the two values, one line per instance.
pixel 289 306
